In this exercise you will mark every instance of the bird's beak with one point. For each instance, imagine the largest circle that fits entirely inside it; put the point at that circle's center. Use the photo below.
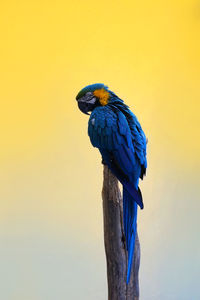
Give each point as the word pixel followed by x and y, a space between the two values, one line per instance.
pixel 83 107
pixel 87 103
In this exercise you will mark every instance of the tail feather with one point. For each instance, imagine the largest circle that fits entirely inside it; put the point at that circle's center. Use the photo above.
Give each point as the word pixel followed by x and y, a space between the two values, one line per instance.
pixel 135 193
pixel 130 227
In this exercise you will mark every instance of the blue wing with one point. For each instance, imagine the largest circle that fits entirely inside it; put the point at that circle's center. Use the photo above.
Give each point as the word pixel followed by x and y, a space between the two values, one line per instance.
pixel 139 141
pixel 110 132
pixel 138 137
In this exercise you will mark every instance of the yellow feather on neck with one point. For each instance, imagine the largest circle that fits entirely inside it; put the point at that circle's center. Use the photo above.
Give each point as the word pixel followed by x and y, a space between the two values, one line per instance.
pixel 103 96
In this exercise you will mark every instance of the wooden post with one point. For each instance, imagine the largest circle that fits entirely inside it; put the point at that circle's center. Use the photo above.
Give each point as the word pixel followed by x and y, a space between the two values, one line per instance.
pixel 114 240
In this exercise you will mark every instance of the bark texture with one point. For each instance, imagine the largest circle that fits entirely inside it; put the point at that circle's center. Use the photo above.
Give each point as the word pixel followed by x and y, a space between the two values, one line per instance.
pixel 116 254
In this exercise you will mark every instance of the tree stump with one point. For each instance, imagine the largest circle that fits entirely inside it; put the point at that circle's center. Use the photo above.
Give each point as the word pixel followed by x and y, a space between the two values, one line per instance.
pixel 114 240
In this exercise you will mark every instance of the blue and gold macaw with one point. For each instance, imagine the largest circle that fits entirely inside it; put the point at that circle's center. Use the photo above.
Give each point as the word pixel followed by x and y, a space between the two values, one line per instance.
pixel 118 135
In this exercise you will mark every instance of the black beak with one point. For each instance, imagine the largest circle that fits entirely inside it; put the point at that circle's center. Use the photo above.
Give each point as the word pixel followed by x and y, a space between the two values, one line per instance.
pixel 87 103
pixel 83 106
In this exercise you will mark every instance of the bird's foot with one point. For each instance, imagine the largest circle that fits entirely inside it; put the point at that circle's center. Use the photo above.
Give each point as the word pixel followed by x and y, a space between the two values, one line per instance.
pixel 123 239
pixel 103 162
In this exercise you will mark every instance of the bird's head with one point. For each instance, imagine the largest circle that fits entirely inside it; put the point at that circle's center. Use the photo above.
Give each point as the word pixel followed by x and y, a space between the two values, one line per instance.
pixel 92 96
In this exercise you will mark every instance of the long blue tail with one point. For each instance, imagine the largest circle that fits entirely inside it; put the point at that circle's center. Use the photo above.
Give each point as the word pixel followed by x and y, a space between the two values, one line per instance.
pixel 130 227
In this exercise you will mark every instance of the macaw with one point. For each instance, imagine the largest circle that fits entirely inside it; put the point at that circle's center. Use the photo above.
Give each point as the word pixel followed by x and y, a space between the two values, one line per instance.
pixel 118 135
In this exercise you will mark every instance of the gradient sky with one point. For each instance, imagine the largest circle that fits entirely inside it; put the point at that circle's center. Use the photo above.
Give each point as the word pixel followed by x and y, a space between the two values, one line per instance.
pixel 51 238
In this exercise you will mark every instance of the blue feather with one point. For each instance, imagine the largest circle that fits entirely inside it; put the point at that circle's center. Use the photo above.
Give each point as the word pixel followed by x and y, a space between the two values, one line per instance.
pixel 116 132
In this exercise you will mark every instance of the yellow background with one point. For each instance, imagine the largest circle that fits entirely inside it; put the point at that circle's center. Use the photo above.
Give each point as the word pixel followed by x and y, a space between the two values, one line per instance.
pixel 147 52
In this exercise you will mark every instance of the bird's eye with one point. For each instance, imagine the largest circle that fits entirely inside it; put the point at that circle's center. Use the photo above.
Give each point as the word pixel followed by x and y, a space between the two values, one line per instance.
pixel 88 94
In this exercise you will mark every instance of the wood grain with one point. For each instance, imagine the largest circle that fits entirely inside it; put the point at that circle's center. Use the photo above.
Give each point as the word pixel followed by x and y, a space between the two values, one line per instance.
pixel 116 254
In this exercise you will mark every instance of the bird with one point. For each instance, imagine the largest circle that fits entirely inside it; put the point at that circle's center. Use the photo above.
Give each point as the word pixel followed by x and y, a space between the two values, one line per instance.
pixel 115 130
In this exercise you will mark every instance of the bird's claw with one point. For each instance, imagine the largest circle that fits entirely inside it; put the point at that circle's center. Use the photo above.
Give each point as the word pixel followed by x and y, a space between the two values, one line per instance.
pixel 103 162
